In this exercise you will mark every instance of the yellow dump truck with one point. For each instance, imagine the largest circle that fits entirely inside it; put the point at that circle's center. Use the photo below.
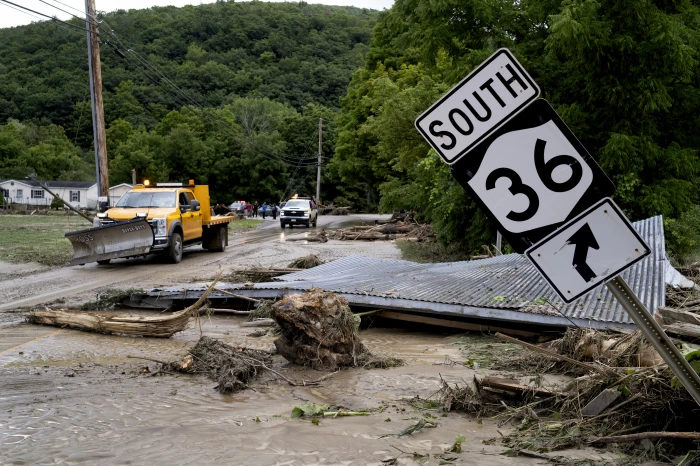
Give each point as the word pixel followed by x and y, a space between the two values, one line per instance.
pixel 163 218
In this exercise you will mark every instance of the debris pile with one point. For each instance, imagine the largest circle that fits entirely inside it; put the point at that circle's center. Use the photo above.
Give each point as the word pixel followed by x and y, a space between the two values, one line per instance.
pixel 617 391
pixel 230 367
pixel 332 209
pixel 400 226
pixel 318 330
pixel 306 262
pixel 320 237
pixel 160 326
pixel 681 316
pixel 259 274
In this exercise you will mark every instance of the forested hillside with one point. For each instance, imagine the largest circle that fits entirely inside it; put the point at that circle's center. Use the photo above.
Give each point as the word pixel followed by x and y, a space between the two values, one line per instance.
pixel 264 74
pixel 624 74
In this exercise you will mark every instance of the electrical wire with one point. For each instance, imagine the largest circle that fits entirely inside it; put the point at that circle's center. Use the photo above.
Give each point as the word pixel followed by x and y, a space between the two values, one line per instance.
pixel 25 12
pixel 53 18
pixel 71 7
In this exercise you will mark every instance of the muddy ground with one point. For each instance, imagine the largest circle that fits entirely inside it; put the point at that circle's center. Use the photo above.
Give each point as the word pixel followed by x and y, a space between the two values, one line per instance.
pixel 69 397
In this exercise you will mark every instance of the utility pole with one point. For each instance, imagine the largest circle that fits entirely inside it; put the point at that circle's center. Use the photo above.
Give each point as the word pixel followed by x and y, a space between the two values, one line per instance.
pixel 318 171
pixel 98 115
pixel 133 177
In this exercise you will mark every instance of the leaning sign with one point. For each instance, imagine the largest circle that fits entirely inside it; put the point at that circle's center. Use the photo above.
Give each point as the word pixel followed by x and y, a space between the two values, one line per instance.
pixel 589 250
pixel 494 92
pixel 533 178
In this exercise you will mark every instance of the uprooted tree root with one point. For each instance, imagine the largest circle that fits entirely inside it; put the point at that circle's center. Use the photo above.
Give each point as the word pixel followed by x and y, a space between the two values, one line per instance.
pixel 318 329
pixel 648 401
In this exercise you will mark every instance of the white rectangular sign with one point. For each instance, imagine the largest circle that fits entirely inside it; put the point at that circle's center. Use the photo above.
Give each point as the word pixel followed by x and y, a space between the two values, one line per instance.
pixel 588 250
pixel 482 102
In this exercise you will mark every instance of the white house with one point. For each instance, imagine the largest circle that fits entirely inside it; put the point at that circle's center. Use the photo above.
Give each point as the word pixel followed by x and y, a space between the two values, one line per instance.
pixel 115 192
pixel 79 194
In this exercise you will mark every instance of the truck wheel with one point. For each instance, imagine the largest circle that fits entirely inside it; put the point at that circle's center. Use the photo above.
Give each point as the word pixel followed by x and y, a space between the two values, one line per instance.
pixel 315 221
pixel 219 240
pixel 175 248
pixel 104 262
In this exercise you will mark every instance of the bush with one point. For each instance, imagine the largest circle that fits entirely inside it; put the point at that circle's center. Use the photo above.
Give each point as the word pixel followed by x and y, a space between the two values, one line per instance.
pixel 683 236
pixel 56 203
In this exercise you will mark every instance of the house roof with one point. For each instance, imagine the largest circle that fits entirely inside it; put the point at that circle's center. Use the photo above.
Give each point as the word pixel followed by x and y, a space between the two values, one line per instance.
pixel 502 288
pixel 55 184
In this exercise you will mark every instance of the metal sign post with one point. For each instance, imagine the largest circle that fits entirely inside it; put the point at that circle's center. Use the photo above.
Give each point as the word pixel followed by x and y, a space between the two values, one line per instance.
pixel 656 336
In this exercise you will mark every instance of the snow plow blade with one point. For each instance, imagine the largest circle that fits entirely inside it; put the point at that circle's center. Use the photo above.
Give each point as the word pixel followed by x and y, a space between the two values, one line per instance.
pixel 123 239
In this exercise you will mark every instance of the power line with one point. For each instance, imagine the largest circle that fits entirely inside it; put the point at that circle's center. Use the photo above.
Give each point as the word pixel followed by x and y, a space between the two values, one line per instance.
pixel 72 8
pixel 53 18
pixel 22 11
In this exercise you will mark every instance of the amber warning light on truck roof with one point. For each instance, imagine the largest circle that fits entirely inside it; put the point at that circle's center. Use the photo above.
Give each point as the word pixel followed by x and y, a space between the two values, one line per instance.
pixel 146 183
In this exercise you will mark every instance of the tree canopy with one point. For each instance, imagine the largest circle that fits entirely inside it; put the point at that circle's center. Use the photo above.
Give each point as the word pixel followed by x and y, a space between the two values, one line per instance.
pixel 220 92
pixel 623 75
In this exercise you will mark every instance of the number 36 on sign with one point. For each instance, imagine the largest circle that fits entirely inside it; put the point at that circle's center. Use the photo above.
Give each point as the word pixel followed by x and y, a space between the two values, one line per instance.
pixel 532 175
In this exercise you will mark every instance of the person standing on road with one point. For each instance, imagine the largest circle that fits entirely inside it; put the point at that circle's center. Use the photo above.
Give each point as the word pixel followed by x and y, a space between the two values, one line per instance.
pixel 255 209
pixel 264 209
pixel 249 209
pixel 274 212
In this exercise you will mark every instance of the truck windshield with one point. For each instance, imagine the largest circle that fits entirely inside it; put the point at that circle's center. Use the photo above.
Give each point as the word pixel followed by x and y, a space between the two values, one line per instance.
pixel 297 204
pixel 145 199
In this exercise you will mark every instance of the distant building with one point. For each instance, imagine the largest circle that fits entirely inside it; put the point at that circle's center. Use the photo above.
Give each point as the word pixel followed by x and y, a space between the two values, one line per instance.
pixel 79 194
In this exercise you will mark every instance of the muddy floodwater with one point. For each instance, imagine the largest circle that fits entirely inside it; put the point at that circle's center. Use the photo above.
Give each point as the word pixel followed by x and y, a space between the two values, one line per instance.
pixel 68 397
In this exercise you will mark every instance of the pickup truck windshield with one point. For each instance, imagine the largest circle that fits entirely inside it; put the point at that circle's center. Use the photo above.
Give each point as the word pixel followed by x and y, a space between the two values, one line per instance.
pixel 297 205
pixel 144 200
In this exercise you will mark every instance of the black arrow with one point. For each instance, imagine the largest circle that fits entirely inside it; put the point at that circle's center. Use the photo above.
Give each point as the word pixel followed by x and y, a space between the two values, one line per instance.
pixel 583 239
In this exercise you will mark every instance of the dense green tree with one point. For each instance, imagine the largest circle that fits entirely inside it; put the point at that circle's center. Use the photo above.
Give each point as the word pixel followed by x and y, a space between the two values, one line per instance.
pixel 623 74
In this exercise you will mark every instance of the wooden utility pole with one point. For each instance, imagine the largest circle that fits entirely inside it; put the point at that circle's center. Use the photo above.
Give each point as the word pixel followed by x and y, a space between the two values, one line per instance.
pixel 318 170
pixel 98 114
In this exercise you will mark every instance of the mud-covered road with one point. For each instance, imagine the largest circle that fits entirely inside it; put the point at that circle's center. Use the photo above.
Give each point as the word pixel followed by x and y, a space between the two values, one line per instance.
pixel 71 397
pixel 25 286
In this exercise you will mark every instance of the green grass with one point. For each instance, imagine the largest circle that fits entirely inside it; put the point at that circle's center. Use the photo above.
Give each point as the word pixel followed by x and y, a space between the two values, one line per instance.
pixel 38 238
pixel 431 252
pixel 245 224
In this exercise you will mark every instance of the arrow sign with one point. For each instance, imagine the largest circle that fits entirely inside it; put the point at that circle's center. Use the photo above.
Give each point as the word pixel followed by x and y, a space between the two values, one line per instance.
pixel 583 239
pixel 604 244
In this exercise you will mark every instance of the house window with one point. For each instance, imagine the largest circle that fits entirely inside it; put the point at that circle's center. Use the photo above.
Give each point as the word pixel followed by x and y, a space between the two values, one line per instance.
pixel 20 194
pixel 37 193
pixel 75 196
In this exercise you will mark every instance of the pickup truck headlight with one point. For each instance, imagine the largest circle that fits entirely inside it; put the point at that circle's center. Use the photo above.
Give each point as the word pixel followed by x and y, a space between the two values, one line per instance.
pixel 306 214
pixel 161 226
pixel 281 213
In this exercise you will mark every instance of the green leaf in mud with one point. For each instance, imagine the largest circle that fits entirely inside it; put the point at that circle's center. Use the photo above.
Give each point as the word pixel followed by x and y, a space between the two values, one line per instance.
pixel 479 421
pixel 693 358
pixel 387 419
pixel 307 409
pixel 623 388
pixel 257 419
pixel 314 421
pixel 457 446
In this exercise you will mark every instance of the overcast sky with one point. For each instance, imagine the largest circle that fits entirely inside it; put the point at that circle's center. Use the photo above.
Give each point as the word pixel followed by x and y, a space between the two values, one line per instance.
pixel 11 17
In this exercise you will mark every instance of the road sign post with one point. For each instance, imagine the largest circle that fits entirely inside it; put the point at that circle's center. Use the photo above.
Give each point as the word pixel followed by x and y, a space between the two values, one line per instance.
pixel 656 336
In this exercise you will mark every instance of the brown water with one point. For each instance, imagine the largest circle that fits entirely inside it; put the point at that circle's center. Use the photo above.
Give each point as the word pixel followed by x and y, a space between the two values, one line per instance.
pixel 75 398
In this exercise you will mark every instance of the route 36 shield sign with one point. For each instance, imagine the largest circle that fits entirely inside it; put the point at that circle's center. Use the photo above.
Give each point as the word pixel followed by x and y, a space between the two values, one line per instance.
pixel 532 175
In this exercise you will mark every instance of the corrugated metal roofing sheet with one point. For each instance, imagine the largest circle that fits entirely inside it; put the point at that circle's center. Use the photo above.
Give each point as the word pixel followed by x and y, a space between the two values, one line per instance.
pixel 504 287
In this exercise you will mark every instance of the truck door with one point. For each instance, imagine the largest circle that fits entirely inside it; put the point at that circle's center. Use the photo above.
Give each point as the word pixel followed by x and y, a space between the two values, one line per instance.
pixel 191 219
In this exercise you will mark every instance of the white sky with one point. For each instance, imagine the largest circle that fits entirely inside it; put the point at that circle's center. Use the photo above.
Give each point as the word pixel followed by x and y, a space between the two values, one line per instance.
pixel 11 17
